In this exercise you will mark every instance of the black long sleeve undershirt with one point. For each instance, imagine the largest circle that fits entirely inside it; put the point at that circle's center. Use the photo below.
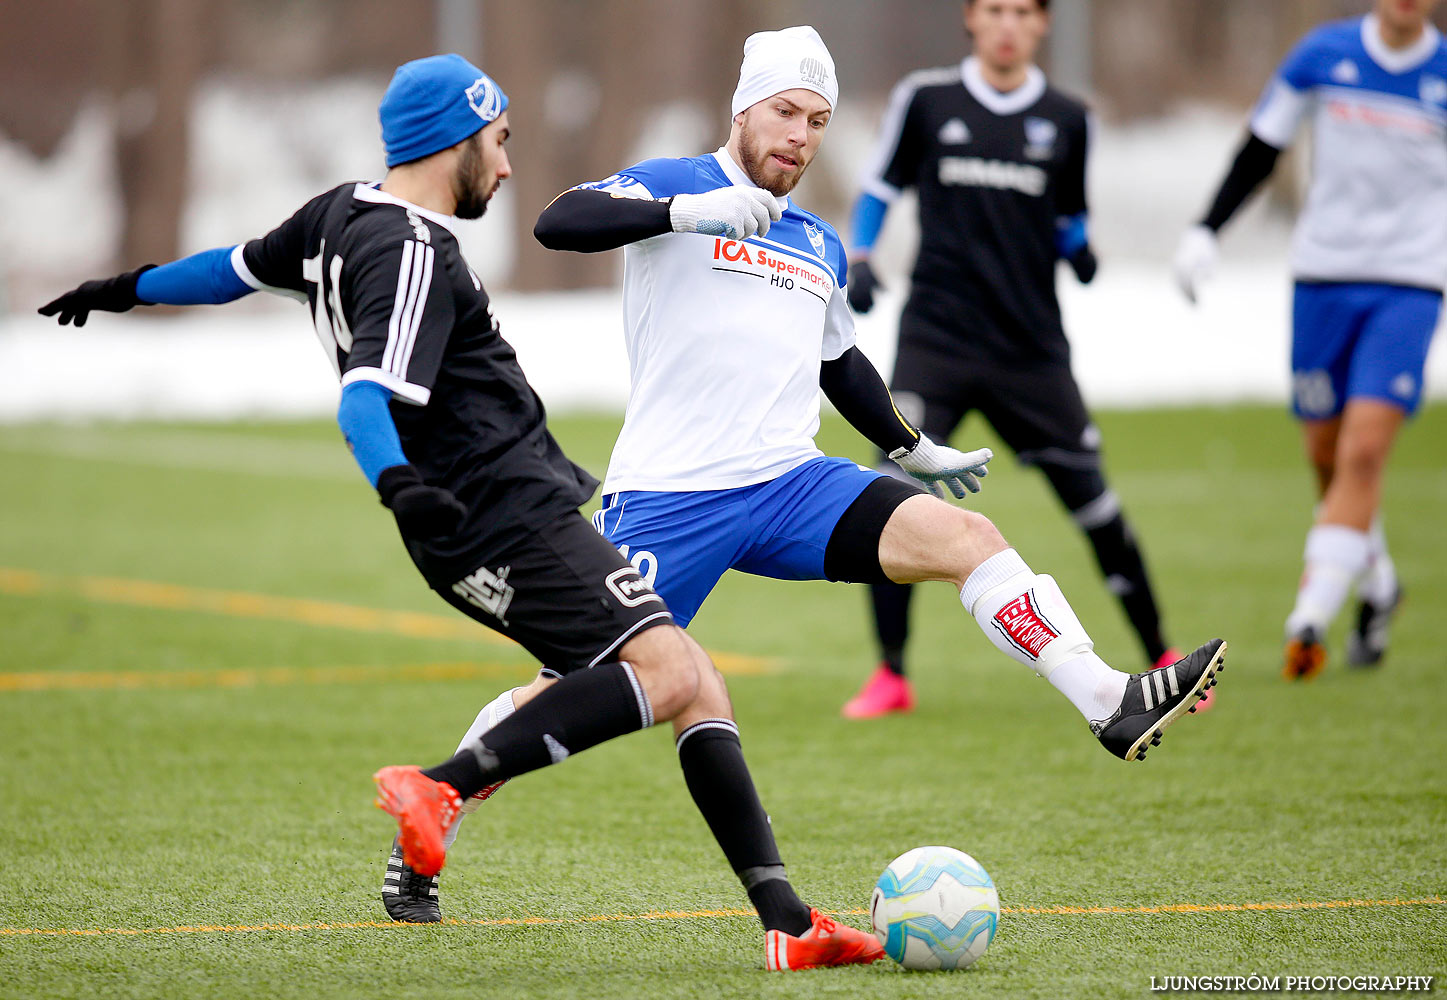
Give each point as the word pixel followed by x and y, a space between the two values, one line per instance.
pixel 593 221
pixel 1254 163
pixel 855 388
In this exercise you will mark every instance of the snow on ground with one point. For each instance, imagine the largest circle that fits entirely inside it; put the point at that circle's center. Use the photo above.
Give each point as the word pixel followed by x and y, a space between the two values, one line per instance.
pixel 1136 344
pixel 1136 341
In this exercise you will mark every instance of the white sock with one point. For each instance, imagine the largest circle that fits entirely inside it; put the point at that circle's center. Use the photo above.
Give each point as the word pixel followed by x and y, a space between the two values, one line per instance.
pixel 1379 585
pixel 492 713
pixel 1336 556
pixel 1028 619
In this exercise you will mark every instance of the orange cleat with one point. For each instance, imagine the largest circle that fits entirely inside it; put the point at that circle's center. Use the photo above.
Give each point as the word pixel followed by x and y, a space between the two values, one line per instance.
pixel 826 942
pixel 424 809
pixel 884 692
pixel 1305 656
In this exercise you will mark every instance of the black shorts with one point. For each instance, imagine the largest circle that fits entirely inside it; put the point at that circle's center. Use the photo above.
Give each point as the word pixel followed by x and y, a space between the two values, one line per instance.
pixel 562 592
pixel 1037 411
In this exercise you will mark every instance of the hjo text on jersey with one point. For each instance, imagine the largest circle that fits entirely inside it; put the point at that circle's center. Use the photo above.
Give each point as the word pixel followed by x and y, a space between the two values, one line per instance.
pixel 736 252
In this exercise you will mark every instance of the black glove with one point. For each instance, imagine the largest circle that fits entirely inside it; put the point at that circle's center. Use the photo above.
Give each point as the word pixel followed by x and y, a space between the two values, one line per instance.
pixel 422 511
pixel 1084 264
pixel 115 295
pixel 862 285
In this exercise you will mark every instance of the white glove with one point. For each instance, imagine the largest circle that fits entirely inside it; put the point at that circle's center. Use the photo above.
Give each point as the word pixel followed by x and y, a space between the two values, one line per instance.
pixel 733 212
pixel 1195 260
pixel 933 464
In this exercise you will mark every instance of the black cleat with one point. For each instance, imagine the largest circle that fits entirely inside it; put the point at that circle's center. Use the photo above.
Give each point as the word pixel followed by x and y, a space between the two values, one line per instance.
pixel 1367 642
pixel 409 897
pixel 1156 698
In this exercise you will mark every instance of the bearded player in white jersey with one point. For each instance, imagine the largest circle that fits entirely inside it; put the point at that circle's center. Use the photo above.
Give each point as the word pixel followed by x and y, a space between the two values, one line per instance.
pixel 1369 258
pixel 736 317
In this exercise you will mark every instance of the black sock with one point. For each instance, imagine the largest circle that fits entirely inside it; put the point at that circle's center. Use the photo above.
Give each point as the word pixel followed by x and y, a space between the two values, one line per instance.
pixel 891 621
pixel 718 779
pixel 1125 572
pixel 580 711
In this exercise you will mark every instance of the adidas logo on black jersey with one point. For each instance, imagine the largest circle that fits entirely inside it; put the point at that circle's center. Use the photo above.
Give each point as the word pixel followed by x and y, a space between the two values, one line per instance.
pixel 954 133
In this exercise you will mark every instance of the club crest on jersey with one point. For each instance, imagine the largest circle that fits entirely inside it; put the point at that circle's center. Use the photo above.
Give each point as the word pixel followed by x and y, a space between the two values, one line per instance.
pixel 816 238
pixel 485 99
pixel 1346 72
pixel 423 233
pixel 954 133
pixel 1024 626
pixel 1432 89
pixel 1040 136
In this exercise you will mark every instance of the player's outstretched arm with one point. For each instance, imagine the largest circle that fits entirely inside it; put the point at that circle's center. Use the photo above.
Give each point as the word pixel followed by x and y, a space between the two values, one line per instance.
pixel 207 277
pixel 422 511
pixel 853 385
pixel 589 221
pixel 1196 255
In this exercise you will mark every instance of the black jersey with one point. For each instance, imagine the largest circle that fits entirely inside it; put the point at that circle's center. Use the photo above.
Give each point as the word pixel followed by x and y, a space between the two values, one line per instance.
pixel 994 173
pixel 394 302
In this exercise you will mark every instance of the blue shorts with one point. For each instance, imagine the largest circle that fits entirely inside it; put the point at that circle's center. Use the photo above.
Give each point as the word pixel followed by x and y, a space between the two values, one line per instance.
pixel 1353 341
pixel 682 543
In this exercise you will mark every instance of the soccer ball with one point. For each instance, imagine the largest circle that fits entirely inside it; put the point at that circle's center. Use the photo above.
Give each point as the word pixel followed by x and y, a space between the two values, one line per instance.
pixel 934 908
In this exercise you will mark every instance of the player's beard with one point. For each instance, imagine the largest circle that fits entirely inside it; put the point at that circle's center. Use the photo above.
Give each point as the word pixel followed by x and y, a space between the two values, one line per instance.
pixel 755 162
pixel 467 182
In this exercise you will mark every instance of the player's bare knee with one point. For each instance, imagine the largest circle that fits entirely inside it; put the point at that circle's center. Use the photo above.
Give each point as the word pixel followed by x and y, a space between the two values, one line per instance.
pixel 981 540
pixel 664 660
pixel 1361 462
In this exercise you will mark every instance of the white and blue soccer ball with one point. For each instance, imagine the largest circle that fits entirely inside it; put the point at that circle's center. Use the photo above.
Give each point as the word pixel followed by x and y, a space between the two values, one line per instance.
pixel 934 908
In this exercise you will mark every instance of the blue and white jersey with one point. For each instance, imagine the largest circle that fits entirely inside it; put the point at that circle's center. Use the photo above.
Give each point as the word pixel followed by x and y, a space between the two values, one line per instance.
pixel 724 340
pixel 1377 206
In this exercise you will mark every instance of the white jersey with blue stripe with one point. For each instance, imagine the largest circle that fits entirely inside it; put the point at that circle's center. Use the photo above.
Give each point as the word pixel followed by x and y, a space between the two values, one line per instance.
pixel 1377 206
pixel 724 340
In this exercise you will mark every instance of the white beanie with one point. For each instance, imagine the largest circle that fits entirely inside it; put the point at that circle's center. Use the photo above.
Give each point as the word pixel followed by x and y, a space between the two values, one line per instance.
pixel 776 61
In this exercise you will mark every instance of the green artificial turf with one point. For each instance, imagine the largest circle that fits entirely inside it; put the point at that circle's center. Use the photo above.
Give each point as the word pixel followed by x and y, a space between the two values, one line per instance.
pixel 245 803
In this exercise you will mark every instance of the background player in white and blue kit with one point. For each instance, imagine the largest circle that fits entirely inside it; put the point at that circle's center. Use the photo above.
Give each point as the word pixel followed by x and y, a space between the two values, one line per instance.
pixel 735 318
pixel 1369 259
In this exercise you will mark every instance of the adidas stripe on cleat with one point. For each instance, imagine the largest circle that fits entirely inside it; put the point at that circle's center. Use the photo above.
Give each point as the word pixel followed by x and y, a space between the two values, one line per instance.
pixel 826 942
pixel 1158 698
pixel 409 897
pixel 423 808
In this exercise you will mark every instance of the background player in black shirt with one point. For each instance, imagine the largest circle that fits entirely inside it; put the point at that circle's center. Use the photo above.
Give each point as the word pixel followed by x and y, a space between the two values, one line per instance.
pixel 445 426
pixel 997 157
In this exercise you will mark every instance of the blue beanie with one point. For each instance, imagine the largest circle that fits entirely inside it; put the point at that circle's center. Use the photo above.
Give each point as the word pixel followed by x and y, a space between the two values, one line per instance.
pixel 434 103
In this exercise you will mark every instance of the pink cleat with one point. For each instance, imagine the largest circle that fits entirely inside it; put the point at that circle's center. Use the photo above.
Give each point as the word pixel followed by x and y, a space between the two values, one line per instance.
pixel 1208 697
pixel 884 692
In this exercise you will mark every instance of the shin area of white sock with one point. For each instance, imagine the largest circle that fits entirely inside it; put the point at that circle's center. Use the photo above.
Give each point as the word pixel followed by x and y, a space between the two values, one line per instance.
pixel 1378 585
pixel 492 713
pixel 1336 557
pixel 1027 618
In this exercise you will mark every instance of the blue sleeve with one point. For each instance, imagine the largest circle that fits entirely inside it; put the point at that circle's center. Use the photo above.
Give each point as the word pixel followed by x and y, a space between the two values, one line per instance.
pixel 1301 70
pixel 1071 234
pixel 205 278
pixel 867 220
pixel 366 423
pixel 664 177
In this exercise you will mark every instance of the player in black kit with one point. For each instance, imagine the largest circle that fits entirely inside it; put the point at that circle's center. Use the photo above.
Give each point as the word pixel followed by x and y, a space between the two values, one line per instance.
pixel 445 426
pixel 997 157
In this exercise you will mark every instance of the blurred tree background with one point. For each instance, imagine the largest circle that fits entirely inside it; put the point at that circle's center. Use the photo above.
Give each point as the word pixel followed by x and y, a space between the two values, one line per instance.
pixel 589 80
